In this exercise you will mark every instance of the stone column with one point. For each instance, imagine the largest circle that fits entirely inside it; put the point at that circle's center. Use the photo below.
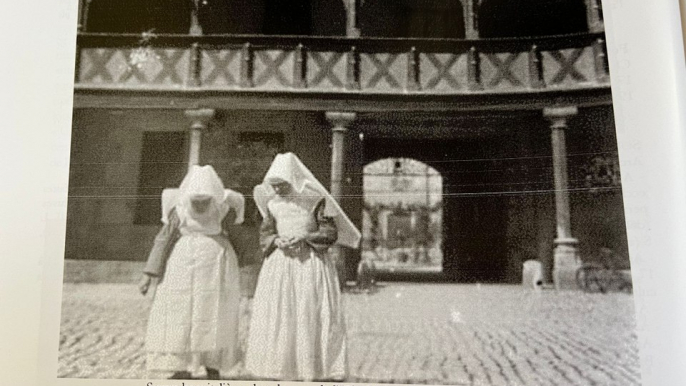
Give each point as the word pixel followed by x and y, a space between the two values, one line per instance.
pixel 470 10
pixel 351 28
pixel 565 256
pixel 199 119
pixel 340 122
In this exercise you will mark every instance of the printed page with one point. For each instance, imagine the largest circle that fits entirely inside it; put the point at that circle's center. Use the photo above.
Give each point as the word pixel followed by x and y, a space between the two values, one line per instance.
pixel 498 194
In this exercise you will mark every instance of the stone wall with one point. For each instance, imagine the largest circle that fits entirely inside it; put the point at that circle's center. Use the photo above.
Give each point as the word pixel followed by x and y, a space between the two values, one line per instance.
pixel 106 163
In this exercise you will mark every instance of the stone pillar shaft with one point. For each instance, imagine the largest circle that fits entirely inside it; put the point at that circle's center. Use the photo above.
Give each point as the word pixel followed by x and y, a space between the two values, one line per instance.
pixel 562 209
pixel 340 122
pixel 199 119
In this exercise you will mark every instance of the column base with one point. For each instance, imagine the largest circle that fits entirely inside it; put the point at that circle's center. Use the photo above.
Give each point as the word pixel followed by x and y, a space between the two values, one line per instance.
pixel 566 263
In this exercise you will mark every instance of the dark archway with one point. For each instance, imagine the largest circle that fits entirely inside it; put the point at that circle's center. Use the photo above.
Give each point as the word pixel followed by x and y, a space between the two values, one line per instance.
pixel 474 239
pixel 523 18
pixel 268 17
pixel 437 19
pixel 273 17
pixel 231 16
pixel 137 16
pixel 402 216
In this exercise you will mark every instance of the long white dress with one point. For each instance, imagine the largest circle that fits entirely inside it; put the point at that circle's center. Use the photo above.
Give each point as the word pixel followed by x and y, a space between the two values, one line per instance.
pixel 193 320
pixel 297 330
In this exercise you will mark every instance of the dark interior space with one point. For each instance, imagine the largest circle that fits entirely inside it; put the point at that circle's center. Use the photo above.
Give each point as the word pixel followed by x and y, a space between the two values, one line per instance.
pixel 523 18
pixel 474 210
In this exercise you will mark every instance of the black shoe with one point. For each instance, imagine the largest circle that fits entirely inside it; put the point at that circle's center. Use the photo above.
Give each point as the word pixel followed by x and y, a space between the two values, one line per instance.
pixel 212 373
pixel 181 375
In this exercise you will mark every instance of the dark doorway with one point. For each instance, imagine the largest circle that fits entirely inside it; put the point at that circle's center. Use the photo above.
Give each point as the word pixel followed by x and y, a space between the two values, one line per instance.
pixel 474 206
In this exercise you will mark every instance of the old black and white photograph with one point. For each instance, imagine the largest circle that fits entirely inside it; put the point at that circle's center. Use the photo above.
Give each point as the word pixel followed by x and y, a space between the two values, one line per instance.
pixel 359 191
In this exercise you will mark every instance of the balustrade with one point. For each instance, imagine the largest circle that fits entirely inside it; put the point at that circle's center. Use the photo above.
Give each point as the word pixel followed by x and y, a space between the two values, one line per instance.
pixel 341 65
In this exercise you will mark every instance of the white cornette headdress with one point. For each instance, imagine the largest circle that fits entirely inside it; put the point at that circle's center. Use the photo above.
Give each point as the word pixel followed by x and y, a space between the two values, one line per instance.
pixel 289 168
pixel 203 181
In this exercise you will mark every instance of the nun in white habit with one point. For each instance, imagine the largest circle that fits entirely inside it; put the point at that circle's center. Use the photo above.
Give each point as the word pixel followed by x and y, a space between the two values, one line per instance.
pixel 193 323
pixel 296 329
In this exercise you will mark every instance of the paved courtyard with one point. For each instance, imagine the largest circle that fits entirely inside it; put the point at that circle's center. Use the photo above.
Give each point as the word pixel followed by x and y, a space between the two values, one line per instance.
pixel 404 333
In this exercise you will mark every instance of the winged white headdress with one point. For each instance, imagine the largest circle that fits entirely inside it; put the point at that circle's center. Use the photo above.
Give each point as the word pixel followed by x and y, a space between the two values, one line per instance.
pixel 288 167
pixel 202 181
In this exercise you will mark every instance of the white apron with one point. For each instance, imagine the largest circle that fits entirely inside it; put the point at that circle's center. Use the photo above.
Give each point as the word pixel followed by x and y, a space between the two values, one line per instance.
pixel 296 329
pixel 194 317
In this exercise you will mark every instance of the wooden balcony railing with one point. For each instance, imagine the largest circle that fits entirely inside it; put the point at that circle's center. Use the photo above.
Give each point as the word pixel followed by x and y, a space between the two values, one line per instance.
pixel 341 65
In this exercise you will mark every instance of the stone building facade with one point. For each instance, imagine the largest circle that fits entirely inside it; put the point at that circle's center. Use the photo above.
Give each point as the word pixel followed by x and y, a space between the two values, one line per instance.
pixel 512 107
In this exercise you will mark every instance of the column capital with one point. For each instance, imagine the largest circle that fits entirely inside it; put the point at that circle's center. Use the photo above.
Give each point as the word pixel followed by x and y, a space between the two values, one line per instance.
pixel 561 112
pixel 340 120
pixel 199 117
pixel 566 241
pixel 558 115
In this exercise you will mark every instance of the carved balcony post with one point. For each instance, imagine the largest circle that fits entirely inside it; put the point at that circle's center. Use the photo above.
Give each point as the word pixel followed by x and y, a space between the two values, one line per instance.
pixel 84 6
pixel 196 28
pixel 352 30
pixel 595 23
pixel 470 11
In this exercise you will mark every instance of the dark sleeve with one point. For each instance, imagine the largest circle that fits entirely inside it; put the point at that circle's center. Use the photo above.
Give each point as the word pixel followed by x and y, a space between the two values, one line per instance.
pixel 326 234
pixel 267 235
pixel 242 239
pixel 164 243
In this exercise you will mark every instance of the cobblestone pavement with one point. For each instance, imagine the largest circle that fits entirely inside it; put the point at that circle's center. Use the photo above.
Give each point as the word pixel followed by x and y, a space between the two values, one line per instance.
pixel 404 333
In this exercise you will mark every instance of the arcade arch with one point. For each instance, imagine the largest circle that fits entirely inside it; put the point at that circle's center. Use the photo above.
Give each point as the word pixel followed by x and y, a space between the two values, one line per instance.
pixel 402 215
